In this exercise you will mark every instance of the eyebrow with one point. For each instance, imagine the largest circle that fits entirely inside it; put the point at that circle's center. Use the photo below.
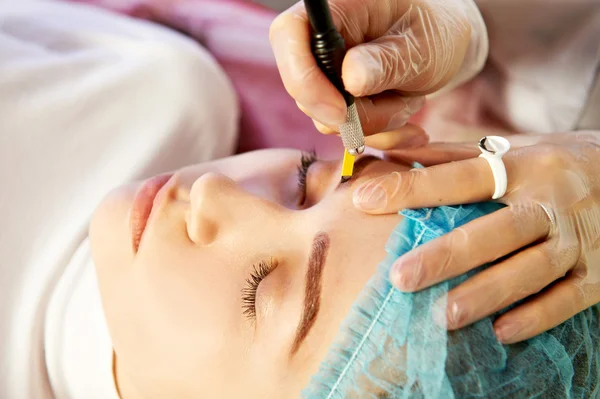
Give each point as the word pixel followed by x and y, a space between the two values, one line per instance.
pixel 359 165
pixel 314 271
pixel 312 296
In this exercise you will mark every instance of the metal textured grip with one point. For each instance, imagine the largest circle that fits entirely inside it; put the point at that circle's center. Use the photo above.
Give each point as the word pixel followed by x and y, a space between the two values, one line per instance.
pixel 352 133
pixel 329 50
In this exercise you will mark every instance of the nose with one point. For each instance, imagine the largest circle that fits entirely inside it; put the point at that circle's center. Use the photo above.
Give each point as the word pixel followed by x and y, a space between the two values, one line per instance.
pixel 219 206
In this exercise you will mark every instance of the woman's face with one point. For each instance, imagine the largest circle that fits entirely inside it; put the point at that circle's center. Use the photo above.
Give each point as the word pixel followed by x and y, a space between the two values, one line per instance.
pixel 230 279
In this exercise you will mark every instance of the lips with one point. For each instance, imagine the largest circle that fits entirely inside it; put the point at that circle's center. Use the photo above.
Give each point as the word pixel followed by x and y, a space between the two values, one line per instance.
pixel 142 207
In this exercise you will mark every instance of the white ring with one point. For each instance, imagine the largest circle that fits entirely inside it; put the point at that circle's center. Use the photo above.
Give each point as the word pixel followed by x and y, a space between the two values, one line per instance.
pixel 492 149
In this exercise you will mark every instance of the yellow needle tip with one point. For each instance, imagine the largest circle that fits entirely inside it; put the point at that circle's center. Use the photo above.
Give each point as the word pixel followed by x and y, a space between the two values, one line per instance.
pixel 347 166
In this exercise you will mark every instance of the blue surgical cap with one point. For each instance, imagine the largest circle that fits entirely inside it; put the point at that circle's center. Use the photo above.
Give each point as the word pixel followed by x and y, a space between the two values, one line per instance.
pixel 390 347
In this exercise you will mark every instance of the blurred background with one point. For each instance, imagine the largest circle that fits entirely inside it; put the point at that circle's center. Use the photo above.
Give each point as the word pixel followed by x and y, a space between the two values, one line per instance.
pixel 278 5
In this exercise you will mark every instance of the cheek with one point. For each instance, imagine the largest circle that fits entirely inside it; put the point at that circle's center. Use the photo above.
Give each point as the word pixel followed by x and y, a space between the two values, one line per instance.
pixel 186 288
pixel 172 314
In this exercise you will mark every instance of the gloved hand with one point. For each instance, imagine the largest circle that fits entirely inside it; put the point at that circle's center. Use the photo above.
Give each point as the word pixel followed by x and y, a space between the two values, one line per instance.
pixel 399 51
pixel 550 229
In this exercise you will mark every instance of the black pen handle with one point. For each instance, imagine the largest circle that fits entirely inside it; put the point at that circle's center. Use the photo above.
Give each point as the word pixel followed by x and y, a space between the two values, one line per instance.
pixel 327 44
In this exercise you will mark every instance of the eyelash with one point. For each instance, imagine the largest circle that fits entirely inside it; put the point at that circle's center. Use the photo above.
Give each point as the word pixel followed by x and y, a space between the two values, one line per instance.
pixel 259 272
pixel 262 269
pixel 307 159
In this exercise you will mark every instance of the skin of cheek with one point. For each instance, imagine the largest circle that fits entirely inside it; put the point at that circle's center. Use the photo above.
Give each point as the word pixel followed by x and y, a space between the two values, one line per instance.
pixel 153 312
pixel 173 305
pixel 230 347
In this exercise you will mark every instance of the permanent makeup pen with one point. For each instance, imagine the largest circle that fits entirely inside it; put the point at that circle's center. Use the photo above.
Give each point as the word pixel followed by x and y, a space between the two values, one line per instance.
pixel 329 49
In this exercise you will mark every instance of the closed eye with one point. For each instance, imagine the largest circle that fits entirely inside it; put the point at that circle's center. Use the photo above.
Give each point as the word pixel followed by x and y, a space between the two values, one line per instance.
pixel 307 159
pixel 259 272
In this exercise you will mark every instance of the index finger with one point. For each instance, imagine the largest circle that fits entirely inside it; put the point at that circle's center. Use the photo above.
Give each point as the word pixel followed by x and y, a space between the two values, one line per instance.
pixel 454 183
pixel 301 76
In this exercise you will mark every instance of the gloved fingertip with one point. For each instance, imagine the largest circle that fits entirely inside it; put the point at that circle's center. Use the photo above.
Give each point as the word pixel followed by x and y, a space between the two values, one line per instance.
pixel 416 141
pixel 377 195
pixel 359 73
pixel 407 137
pixel 370 196
pixel 398 120
pixel 323 129
pixel 325 114
pixel 330 114
pixel 374 200
pixel 412 105
pixel 507 333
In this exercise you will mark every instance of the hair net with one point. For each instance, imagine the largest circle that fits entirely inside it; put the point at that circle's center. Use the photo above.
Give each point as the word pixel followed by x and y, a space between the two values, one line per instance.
pixel 390 347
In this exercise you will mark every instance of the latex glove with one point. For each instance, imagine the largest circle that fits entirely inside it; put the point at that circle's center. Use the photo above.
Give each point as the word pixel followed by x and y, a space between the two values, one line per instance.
pixel 399 50
pixel 552 220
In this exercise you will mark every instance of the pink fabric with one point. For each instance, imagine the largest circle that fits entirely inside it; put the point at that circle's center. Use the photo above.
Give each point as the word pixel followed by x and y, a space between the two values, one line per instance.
pixel 236 32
